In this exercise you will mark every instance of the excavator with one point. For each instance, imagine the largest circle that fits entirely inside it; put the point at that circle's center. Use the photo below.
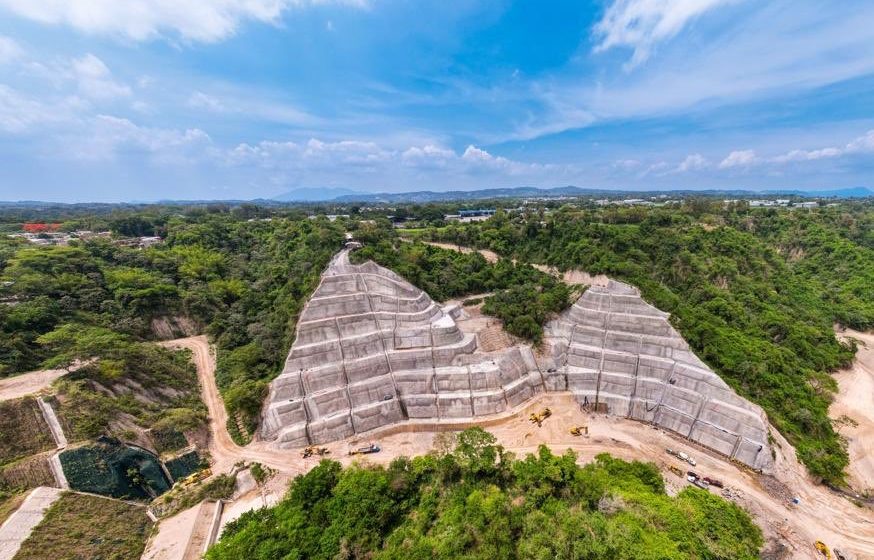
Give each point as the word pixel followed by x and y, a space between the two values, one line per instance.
pixel 579 431
pixel 823 549
pixel 312 450
pixel 538 418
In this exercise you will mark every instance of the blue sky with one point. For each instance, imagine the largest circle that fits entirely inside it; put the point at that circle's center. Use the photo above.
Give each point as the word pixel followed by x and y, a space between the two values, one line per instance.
pixel 209 99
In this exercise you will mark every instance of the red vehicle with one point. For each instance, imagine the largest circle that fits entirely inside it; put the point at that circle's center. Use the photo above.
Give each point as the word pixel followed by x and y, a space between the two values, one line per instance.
pixel 713 482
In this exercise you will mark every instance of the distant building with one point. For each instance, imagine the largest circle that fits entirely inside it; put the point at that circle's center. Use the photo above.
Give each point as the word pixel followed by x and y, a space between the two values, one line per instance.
pixel 467 216
pixel 487 212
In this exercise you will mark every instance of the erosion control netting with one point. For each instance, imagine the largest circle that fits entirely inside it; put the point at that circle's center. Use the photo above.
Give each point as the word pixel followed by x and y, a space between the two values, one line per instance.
pixel 168 439
pixel 183 465
pixel 112 468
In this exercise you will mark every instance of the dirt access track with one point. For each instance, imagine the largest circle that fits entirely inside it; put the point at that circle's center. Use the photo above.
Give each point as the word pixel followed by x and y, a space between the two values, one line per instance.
pixel 821 514
pixel 28 383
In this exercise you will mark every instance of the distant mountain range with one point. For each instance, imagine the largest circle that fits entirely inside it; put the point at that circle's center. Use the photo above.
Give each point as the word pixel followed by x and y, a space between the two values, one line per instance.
pixel 349 196
pixel 315 194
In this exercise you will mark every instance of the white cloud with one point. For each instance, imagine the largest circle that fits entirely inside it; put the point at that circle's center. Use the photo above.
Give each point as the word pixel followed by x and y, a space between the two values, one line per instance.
pixel 693 162
pixel 764 51
pixel 17 112
pixel 861 145
pixel 808 155
pixel 95 80
pixel 354 156
pixel 739 158
pixel 9 50
pixel 641 24
pixel 200 100
pixel 108 136
pixel 192 20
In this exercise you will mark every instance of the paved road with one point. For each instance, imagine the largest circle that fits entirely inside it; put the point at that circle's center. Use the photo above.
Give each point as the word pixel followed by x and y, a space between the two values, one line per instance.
pixel 20 524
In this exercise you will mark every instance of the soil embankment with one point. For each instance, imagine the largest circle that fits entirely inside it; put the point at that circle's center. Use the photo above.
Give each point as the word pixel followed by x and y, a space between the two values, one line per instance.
pixel 853 410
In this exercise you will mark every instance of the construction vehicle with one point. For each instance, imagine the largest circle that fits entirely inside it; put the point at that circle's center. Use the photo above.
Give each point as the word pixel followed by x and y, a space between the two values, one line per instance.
pixel 685 457
pixel 713 481
pixel 538 418
pixel 675 470
pixel 313 450
pixel 839 555
pixel 579 430
pixel 366 450
pixel 823 549
pixel 196 477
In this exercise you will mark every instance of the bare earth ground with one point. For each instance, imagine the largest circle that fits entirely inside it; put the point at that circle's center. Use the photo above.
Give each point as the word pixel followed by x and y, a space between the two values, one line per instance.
pixel 570 277
pixel 28 383
pixel 855 400
pixel 172 537
pixel 821 514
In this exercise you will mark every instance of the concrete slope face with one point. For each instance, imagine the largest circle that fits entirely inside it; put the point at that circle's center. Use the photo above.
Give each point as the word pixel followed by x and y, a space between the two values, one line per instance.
pixel 373 350
pixel 614 349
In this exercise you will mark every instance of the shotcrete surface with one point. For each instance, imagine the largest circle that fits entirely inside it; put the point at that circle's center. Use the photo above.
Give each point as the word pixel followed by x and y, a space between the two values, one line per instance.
pixel 372 350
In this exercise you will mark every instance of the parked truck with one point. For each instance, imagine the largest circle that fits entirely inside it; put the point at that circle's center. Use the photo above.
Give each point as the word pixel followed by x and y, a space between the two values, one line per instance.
pixel 366 450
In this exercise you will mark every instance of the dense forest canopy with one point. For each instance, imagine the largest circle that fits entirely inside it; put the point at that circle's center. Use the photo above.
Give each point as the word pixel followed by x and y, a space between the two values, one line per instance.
pixel 479 502
pixel 241 280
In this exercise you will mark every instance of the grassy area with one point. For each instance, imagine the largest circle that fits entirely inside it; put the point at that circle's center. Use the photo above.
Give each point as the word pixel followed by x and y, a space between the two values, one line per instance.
pixel 9 502
pixel 23 431
pixel 79 527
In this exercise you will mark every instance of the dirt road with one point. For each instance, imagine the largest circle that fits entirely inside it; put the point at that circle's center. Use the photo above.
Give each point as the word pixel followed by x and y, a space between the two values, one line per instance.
pixel 570 276
pixel 821 514
pixel 855 401
pixel 28 383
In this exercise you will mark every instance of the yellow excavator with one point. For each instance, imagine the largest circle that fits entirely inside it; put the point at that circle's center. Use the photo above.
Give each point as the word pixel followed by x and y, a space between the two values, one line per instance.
pixel 579 431
pixel 312 450
pixel 823 549
pixel 539 417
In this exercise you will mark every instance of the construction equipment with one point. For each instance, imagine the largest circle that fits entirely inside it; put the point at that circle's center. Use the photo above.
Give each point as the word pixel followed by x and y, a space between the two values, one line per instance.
pixel 313 450
pixel 823 549
pixel 713 481
pixel 196 477
pixel 579 430
pixel 839 555
pixel 684 457
pixel 366 450
pixel 539 417
pixel 675 470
